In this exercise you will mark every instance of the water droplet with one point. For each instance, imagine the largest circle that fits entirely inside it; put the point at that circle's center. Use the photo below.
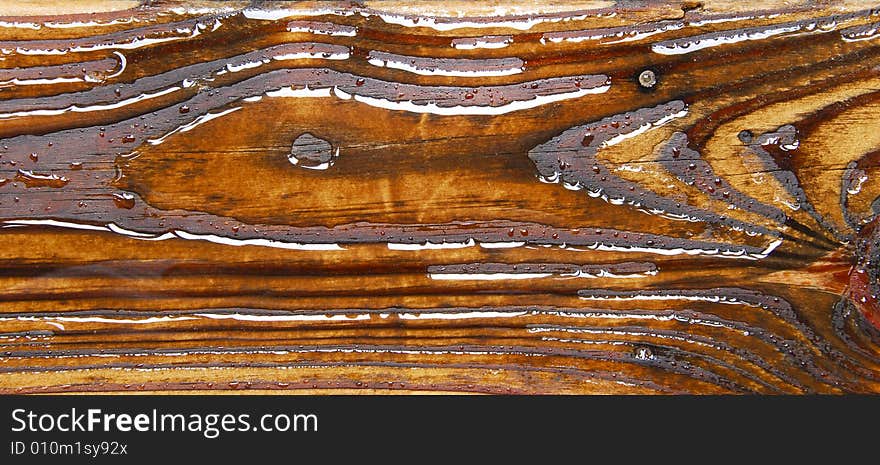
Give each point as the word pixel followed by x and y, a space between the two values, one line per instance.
pixel 124 200
pixel 647 79
pixel 588 139
pixel 643 353
pixel 31 179
pixel 311 152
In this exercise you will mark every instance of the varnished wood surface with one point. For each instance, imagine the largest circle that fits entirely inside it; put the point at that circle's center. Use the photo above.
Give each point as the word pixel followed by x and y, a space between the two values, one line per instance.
pixel 580 197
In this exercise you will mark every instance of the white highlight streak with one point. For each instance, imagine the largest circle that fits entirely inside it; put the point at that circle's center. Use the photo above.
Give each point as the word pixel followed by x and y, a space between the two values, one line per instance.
pixel 196 122
pixel 78 109
pixel 122 63
pixel 486 276
pixel 242 317
pixel 431 245
pixel 148 320
pixel 481 44
pixel 693 46
pixel 442 72
pixel 459 315
pixel 477 110
pixel 262 242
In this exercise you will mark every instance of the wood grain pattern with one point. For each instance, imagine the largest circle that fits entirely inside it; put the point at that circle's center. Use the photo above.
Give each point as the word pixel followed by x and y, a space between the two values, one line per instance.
pixel 578 197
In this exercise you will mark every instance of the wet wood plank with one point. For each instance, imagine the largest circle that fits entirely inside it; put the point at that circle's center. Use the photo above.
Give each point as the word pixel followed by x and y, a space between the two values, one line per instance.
pixel 580 197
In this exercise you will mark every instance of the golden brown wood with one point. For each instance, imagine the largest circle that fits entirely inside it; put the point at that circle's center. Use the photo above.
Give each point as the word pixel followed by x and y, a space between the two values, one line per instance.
pixel 563 197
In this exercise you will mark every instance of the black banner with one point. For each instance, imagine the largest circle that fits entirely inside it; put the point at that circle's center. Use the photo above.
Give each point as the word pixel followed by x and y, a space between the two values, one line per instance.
pixel 132 429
